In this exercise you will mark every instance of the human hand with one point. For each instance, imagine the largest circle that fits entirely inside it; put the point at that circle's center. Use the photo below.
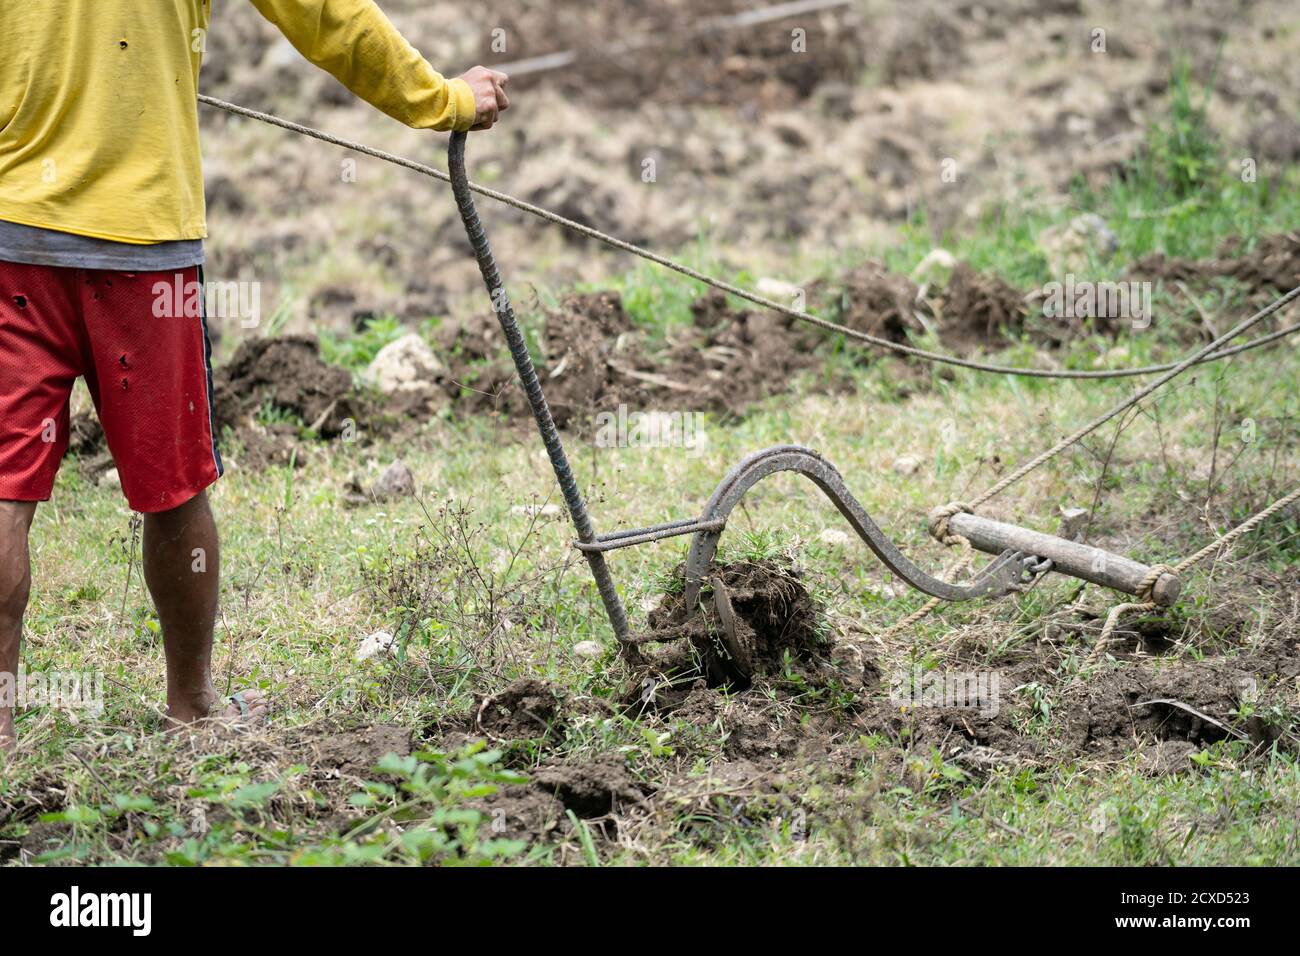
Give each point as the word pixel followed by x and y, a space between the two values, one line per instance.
pixel 489 95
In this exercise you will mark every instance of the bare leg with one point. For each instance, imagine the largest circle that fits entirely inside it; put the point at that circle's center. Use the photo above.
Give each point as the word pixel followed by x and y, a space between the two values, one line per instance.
pixel 182 565
pixel 15 586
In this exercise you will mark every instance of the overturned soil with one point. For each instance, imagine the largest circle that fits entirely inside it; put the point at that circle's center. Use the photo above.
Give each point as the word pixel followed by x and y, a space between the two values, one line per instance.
pixel 811 703
pixel 773 630
pixel 1266 267
pixel 671 53
pixel 288 377
pixel 526 709
pixel 358 750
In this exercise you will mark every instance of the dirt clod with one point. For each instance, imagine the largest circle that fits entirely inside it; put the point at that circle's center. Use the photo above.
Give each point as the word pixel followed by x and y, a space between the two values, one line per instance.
pixel 776 624
pixel 527 709
pixel 359 750
pixel 979 311
pixel 591 789
pixel 287 377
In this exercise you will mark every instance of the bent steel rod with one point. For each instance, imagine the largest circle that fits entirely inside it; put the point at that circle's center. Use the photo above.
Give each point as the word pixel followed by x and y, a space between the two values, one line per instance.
pixel 505 314
pixel 1000 577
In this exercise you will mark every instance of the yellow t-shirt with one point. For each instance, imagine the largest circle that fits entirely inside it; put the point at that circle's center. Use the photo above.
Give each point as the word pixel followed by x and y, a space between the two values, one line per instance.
pixel 99 131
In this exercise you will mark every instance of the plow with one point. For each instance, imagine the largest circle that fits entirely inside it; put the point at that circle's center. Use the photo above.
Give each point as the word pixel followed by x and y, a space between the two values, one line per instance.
pixel 1021 556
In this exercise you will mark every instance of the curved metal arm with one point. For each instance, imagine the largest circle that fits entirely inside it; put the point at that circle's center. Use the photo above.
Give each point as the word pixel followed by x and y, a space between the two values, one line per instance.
pixel 998 578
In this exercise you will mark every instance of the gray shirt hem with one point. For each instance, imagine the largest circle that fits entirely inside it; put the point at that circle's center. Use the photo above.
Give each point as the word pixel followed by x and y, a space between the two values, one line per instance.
pixel 47 247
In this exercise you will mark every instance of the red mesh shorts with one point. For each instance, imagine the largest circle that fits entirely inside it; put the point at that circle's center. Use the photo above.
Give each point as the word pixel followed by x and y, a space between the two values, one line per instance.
pixel 143 350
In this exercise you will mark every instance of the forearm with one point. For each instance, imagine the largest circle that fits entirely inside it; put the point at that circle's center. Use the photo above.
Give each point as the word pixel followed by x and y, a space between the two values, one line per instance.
pixel 355 42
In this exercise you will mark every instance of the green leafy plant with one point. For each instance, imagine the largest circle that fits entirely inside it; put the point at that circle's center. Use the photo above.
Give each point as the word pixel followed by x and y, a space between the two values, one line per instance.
pixel 429 801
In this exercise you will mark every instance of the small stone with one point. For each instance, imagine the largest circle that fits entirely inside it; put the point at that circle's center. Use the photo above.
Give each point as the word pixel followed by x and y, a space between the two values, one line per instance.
pixel 778 289
pixel 396 482
pixel 373 645
pixel 907 464
pixel 110 480
pixel 588 649
pixel 405 365
pixel 834 537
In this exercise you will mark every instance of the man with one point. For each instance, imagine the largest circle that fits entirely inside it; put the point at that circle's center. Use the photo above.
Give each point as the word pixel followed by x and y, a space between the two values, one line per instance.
pixel 101 197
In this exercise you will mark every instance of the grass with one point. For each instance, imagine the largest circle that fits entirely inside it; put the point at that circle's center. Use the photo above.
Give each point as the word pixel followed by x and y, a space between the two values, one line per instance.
pixel 479 584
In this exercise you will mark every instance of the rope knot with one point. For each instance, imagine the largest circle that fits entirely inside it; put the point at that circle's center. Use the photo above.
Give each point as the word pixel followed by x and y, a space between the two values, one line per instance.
pixel 940 517
pixel 1148 584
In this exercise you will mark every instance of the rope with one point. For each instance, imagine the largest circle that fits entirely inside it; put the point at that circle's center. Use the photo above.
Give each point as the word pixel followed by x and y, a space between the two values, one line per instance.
pixel 941 516
pixel 1238 531
pixel 1135 398
pixel 1153 576
pixel 728 287
pixel 1144 592
pixel 963 564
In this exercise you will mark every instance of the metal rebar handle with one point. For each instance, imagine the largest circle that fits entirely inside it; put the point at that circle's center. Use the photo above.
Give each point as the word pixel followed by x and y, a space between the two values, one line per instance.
pixel 505 314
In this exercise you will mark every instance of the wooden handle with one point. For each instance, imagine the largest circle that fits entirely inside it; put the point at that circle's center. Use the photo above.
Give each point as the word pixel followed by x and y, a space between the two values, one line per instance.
pixel 1068 557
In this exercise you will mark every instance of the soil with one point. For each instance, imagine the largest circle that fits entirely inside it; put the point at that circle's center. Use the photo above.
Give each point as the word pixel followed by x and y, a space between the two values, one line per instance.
pixel 979 311
pixel 597 359
pixel 775 618
pixel 526 709
pixel 356 752
pixel 1268 266
pixel 288 375
pixel 763 748
pixel 752 69
pixel 873 300
pixel 592 789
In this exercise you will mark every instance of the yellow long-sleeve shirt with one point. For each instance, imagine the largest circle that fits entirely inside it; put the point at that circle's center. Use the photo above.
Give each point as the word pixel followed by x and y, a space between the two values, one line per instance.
pixel 99 132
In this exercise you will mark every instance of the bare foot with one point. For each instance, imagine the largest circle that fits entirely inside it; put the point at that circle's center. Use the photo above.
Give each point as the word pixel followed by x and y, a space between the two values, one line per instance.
pixel 246 708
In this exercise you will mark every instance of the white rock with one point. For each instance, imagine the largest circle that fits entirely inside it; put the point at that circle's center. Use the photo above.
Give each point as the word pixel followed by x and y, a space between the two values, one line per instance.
pixel 404 365
pixel 777 289
pixel 834 536
pixel 588 649
pixel 907 464
pixel 111 480
pixel 934 268
pixel 377 643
